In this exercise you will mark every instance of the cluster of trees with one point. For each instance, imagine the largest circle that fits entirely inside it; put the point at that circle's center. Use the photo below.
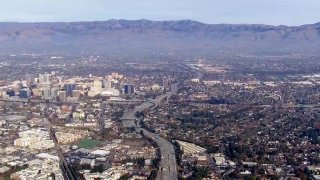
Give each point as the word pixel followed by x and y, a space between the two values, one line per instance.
pixel 118 114
pixel 139 161
pixel 197 120
pixel 125 177
pixel 215 100
pixel 199 173
pixel 313 135
pixel 143 125
pixel 202 114
pixel 139 114
pixel 178 152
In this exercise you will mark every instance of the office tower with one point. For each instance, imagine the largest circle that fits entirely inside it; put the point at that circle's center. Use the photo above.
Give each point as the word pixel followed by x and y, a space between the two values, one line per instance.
pixel 104 83
pixel 44 79
pixel 62 96
pixel 40 78
pixel 25 93
pixel 54 92
pixel 128 89
pixel 97 84
pixel 69 88
pixel 46 93
pixel 76 93
pixel 10 92
pixel 107 84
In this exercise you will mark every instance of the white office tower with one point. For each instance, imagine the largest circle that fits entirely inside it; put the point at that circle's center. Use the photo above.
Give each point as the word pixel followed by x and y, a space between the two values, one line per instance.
pixel 95 89
pixel 44 79
pixel 41 78
pixel 46 93
pixel 54 92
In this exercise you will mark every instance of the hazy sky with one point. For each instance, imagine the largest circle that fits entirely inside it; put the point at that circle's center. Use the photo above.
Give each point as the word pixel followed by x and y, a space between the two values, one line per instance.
pixel 288 12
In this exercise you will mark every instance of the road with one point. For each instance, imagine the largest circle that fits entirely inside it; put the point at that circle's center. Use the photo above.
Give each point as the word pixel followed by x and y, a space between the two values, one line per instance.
pixel 67 172
pixel 168 164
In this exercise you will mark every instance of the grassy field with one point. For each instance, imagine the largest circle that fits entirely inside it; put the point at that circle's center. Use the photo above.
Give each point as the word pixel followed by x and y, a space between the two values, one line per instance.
pixel 88 143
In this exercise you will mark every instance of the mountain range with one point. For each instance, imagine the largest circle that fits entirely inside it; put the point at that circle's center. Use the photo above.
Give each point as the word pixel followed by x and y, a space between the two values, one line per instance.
pixel 130 37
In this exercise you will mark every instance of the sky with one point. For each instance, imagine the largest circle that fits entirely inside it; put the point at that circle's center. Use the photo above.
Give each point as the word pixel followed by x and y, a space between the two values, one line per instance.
pixel 273 12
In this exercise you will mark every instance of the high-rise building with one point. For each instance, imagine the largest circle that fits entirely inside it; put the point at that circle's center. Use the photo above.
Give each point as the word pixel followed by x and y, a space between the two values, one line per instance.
pixel 128 89
pixel 76 93
pixel 62 96
pixel 54 92
pixel 10 92
pixel 46 93
pixel 97 84
pixel 107 84
pixel 44 79
pixel 25 93
pixel 69 88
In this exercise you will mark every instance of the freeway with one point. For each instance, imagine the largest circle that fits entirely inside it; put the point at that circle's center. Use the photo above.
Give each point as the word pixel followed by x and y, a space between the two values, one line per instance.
pixel 168 165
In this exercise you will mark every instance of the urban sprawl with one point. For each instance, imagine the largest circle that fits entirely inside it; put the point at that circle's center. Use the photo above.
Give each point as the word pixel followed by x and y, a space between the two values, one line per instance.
pixel 96 117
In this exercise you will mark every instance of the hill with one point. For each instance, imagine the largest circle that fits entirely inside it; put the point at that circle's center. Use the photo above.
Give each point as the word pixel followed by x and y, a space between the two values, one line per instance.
pixel 158 37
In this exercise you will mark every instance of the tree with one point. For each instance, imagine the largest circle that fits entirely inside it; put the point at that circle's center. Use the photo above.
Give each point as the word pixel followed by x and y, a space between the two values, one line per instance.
pixel 200 172
pixel 98 168
pixel 124 177
pixel 141 162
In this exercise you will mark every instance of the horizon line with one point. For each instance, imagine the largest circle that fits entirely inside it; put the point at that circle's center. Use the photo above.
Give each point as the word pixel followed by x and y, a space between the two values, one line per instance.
pixel 83 21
